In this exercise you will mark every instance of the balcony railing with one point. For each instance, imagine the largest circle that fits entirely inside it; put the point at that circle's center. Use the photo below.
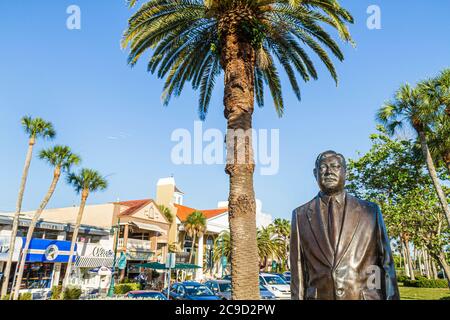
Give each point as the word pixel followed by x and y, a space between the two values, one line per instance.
pixel 135 244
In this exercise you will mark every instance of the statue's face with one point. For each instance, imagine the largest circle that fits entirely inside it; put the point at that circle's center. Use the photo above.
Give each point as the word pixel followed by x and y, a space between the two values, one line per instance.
pixel 330 175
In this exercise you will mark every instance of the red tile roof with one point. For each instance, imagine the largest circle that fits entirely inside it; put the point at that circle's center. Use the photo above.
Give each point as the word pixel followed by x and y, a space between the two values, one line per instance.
pixel 183 212
pixel 133 206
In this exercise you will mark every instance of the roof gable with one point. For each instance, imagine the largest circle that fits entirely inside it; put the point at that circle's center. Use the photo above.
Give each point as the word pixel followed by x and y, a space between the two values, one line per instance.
pixel 144 209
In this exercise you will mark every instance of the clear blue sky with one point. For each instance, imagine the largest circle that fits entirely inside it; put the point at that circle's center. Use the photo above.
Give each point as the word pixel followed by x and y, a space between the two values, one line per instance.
pixel 80 81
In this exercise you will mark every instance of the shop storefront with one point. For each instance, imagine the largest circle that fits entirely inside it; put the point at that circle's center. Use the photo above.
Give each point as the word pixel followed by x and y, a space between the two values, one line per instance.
pixel 44 264
pixel 93 267
pixel 5 250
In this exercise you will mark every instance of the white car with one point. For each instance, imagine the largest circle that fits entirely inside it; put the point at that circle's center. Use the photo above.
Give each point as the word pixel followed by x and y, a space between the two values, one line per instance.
pixel 275 284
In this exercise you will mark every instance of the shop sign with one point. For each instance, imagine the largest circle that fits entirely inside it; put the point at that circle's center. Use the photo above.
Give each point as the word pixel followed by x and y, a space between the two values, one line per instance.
pixel 100 252
pixel 43 250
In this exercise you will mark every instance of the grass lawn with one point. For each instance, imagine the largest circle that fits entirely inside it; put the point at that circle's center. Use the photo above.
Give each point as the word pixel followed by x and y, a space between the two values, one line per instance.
pixel 408 293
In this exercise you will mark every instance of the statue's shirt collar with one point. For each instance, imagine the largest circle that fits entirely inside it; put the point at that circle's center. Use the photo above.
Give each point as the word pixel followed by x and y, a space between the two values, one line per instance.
pixel 340 197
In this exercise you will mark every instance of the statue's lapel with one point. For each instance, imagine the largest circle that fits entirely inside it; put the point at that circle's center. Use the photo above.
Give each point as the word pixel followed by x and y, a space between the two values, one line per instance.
pixel 350 224
pixel 319 231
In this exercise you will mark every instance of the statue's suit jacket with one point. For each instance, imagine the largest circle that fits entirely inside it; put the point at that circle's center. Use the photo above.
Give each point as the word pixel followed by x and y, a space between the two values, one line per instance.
pixel 363 259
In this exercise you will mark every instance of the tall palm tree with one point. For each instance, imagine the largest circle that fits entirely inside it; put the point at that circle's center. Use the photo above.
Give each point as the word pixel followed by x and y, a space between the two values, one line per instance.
pixel 444 84
pixel 194 40
pixel 84 183
pixel 436 93
pixel 35 128
pixel 410 107
pixel 61 159
pixel 439 140
pixel 195 226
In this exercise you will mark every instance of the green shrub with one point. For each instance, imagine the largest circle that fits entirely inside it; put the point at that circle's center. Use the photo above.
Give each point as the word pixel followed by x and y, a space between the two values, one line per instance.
pixel 72 293
pixel 426 283
pixel 126 287
pixel 402 278
pixel 56 292
pixel 22 296
pixel 26 296
pixel 6 297
pixel 126 280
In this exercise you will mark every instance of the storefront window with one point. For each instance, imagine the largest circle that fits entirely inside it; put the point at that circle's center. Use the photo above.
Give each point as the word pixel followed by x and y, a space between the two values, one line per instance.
pixel 37 234
pixel 37 275
pixel 51 235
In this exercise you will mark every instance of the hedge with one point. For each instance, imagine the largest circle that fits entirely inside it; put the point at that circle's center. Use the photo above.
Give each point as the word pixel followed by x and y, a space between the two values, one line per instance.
pixel 426 283
pixel 126 287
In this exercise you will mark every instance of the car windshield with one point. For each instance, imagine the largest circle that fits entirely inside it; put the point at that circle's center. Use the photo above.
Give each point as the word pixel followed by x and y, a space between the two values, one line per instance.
pixel 274 280
pixel 198 291
pixel 225 287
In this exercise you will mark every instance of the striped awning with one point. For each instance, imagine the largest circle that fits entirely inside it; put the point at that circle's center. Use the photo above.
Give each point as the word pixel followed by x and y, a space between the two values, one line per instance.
pixel 93 262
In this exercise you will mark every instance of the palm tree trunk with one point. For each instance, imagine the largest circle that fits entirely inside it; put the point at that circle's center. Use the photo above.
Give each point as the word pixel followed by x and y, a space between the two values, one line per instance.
pixel 238 60
pixel 37 214
pixel 432 171
pixel 84 197
pixel 15 226
pixel 192 248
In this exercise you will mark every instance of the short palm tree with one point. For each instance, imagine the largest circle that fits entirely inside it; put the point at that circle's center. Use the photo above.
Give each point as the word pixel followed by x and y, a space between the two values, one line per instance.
pixel 194 40
pixel 282 228
pixel 411 107
pixel 61 159
pixel 195 226
pixel 35 128
pixel 85 182
pixel 269 245
pixel 166 212
pixel 222 247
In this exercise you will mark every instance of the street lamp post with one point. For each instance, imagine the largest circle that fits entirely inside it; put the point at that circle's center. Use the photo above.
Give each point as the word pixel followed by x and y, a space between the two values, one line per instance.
pixel 111 286
pixel 221 258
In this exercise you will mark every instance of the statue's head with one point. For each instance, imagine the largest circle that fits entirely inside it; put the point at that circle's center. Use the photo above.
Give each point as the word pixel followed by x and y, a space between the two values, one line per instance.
pixel 330 172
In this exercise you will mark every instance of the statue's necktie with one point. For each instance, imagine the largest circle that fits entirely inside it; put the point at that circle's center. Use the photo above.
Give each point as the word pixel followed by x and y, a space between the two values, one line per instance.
pixel 333 222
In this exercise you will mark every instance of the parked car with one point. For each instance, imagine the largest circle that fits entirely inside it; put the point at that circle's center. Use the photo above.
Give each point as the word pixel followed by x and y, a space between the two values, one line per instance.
pixel 264 293
pixel 285 276
pixel 146 294
pixel 221 288
pixel 276 285
pixel 191 290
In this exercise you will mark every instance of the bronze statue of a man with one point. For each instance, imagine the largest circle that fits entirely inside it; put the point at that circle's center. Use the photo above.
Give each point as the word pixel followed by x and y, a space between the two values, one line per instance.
pixel 339 246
